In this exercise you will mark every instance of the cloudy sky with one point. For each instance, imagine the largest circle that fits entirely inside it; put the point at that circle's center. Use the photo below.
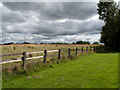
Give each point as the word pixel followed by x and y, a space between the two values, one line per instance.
pixel 46 22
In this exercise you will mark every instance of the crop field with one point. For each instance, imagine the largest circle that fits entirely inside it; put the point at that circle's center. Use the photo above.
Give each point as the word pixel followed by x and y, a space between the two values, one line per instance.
pixel 97 70
pixel 12 49
pixel 8 49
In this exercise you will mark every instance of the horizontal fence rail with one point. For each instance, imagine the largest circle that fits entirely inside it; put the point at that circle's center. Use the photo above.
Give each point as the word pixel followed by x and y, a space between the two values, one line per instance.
pixel 35 52
pixel 34 57
pixel 17 60
pixel 28 53
pixel 11 54
pixel 3 62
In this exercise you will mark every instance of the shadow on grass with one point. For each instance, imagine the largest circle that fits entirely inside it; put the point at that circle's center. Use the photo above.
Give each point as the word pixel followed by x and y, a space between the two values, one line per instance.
pixel 104 50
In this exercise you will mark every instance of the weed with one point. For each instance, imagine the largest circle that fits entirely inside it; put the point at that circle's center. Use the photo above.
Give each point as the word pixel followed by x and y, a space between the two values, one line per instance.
pixel 14 48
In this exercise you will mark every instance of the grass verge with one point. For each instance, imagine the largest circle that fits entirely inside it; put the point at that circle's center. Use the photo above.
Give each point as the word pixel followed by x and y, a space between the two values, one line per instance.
pixel 99 70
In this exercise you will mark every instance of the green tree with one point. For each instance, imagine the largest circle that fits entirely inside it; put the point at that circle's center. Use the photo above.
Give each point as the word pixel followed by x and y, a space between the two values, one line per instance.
pixel 82 42
pixel 96 42
pixel 79 42
pixel 109 12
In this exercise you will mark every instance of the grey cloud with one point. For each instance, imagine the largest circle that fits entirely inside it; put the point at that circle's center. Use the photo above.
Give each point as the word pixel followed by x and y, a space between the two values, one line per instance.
pixel 12 18
pixel 43 19
pixel 58 28
pixel 56 10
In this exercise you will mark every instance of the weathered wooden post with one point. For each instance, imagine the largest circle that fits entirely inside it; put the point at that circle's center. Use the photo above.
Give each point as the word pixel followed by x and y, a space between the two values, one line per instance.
pixel 59 54
pixel 24 60
pixel 82 49
pixel 76 51
pixel 86 49
pixel 94 48
pixel 69 53
pixel 45 56
pixel 90 48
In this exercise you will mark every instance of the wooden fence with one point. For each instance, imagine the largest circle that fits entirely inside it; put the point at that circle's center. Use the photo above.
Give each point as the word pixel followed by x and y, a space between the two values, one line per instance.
pixel 24 58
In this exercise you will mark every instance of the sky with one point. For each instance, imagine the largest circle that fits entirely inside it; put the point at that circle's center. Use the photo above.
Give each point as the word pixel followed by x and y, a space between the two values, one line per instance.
pixel 46 22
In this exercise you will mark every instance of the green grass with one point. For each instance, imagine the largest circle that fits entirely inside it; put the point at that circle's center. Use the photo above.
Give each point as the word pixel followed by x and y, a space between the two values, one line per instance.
pixel 99 70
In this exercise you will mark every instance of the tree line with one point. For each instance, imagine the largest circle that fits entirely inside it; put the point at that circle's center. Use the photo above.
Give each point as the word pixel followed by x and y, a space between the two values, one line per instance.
pixel 77 42
pixel 85 42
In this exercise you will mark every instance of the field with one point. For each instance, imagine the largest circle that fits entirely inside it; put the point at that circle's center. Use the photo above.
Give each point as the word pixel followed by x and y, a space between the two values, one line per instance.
pixel 98 70
pixel 12 49
pixel 8 49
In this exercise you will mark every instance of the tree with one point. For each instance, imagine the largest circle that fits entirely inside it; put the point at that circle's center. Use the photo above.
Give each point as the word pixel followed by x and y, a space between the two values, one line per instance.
pixel 106 10
pixel 8 43
pixel 79 42
pixel 82 42
pixel 109 12
pixel 96 42
pixel 26 43
pixel 73 43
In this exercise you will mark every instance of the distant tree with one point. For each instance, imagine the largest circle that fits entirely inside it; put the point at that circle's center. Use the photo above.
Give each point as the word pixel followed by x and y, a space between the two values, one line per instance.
pixel 73 43
pixel 82 42
pixel 8 43
pixel 96 43
pixel 26 43
pixel 79 42
pixel 86 42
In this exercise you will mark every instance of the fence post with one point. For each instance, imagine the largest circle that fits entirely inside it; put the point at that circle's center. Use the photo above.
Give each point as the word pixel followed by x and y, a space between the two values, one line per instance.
pixel 94 48
pixel 24 60
pixel 69 53
pixel 82 49
pixel 59 54
pixel 45 56
pixel 87 49
pixel 90 48
pixel 76 51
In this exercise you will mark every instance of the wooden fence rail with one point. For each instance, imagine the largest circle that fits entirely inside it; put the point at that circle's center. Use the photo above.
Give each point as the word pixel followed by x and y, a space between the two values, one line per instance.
pixel 11 54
